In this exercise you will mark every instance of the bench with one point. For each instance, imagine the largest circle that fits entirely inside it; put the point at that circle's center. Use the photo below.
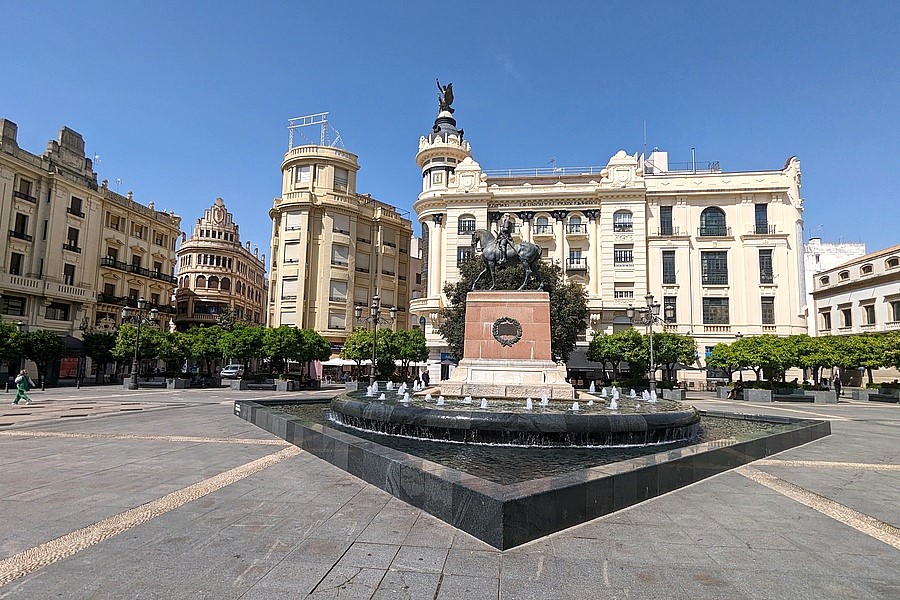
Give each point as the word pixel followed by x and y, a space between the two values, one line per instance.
pixel 153 382
pixel 261 386
pixel 884 398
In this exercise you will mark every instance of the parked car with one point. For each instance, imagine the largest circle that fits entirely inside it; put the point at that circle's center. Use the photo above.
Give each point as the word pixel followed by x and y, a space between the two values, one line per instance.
pixel 232 372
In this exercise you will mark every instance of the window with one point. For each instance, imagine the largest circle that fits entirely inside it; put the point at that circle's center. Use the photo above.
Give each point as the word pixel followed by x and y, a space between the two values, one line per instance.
pixel 109 289
pixel 212 283
pixel 622 221
pixel 154 299
pixel 288 318
pixel 340 255
pixel 338 291
pixel 157 267
pixel 337 319
pixel 824 280
pixel 288 289
pixel 762 219
pixel 715 311
pixel 69 274
pixel 893 262
pixel 201 281
pixel 767 309
pixel 46 227
pixel 341 178
pixel 866 269
pixel 388 266
pixel 418 279
pixel 895 310
pixel 159 239
pixel 303 175
pixel 437 177
pixel 576 226
pixel 291 253
pixel 869 314
pixel 670 305
pixel 57 311
pixel 225 284
pixel 463 253
pixel 137 230
pixel 291 221
pixel 665 220
pixel 75 205
pixel 16 262
pixel 20 229
pixel 24 191
pixel 847 317
pixel 72 240
pixel 363 263
pixel 576 261
pixel 340 224
pixel 712 222
pixel 136 260
pixel 542 225
pixel 12 305
pixel 623 292
pixel 826 321
pixel 844 275
pixel 668 267
pixel 466 224
pixel 765 266
pixel 714 267
pixel 623 255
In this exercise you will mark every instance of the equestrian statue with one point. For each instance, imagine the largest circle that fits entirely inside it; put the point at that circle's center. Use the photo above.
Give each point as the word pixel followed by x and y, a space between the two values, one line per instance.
pixel 500 250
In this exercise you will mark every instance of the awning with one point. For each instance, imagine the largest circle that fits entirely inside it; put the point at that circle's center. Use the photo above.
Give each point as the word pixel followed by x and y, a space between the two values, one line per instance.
pixel 339 362
pixel 72 345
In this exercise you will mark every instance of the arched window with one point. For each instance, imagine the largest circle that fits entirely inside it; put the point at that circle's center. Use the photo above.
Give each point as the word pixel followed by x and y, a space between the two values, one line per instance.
pixel 239 287
pixel 542 225
pixel 201 281
pixel 623 221
pixel 466 224
pixel 226 284
pixel 844 275
pixel 213 283
pixel 893 262
pixel 576 225
pixel 824 280
pixel 866 269
pixel 712 222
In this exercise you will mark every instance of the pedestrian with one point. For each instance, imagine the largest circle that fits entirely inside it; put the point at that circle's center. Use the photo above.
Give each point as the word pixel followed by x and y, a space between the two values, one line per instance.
pixel 425 378
pixel 836 383
pixel 23 385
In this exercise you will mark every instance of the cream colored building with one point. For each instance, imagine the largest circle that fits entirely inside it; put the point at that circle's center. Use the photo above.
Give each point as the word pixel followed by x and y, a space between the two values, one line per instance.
pixel 215 271
pixel 332 248
pixel 75 252
pixel 723 248
pixel 821 256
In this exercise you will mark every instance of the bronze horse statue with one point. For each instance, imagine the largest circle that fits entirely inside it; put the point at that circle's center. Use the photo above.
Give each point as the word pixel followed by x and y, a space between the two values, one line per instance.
pixel 524 252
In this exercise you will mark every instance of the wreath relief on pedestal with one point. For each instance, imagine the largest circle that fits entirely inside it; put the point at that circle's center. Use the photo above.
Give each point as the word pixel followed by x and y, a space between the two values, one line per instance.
pixel 507 331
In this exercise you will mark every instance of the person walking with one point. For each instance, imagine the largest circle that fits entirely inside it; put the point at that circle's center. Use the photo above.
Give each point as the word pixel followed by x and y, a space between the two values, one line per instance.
pixel 23 385
pixel 836 384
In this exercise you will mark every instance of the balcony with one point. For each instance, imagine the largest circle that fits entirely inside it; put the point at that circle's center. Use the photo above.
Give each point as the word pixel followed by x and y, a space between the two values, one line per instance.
pixel 362 269
pixel 714 231
pixel 20 235
pixel 24 196
pixel 109 261
pixel 576 264
pixel 576 229
pixel 715 279
pixel 112 299
pixel 542 230
pixel 623 227
pixel 867 327
pixel 716 328
pixel 669 231
pixel 75 212
pixel 72 248
pixel 763 229
pixel 768 328
pixel 20 283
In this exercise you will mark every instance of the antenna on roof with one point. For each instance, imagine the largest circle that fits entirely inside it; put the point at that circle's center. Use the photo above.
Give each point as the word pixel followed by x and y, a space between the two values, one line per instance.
pixel 325 130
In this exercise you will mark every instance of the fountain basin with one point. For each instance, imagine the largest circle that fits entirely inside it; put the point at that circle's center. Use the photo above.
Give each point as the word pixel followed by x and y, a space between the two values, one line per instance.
pixel 525 428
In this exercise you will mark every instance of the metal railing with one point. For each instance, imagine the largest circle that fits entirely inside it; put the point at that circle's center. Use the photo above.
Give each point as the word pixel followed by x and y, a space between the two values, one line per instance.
pixel 715 279
pixel 542 229
pixel 108 261
pixel 623 227
pixel 576 228
pixel 576 264
pixel 667 231
pixel 714 231
pixel 20 235
pixel 24 196
pixel 73 211
pixel 71 248
pixel 763 229
pixel 544 171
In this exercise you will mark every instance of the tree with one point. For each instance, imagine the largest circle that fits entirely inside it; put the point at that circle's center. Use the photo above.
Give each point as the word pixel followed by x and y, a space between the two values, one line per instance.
pixel 568 306
pixel 408 346
pixel 815 353
pixel 123 350
pixel 669 349
pixel 622 346
pixel 313 346
pixel 43 347
pixel 242 343
pixel 98 346
pixel 724 357
pixel 281 344
pixel 861 351
pixel 10 345
pixel 203 343
pixel 358 347
pixel 174 347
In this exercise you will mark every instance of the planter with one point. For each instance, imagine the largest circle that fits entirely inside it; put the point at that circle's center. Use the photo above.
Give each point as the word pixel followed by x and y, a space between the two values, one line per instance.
pixel 285 385
pixel 238 384
pixel 676 395
pixel 722 391
pixel 860 394
pixel 889 391
pixel 355 386
pixel 752 395
pixel 177 383
pixel 823 396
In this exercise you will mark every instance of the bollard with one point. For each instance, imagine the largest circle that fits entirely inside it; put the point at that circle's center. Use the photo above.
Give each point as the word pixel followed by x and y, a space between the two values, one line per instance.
pixel 7 386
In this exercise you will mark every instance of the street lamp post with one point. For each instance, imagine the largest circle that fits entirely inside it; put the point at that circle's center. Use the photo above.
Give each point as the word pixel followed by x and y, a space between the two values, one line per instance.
pixel 738 337
pixel 648 316
pixel 141 317
pixel 375 319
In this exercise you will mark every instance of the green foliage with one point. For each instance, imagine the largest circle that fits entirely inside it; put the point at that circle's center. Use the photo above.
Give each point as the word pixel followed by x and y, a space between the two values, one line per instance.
pixel 313 346
pixel 10 343
pixel 150 340
pixel 173 347
pixel 672 348
pixel 358 346
pixel 408 345
pixel 98 347
pixel 568 306
pixel 203 343
pixel 242 343
pixel 722 356
pixel 281 345
pixel 43 347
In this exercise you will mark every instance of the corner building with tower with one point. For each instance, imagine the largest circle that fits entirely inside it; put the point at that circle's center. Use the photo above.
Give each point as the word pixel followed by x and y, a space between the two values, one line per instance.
pixel 721 251
pixel 332 248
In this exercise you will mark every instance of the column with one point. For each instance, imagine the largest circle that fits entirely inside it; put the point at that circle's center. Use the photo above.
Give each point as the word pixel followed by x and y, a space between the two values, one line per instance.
pixel 593 270
pixel 435 254
pixel 526 216
pixel 559 232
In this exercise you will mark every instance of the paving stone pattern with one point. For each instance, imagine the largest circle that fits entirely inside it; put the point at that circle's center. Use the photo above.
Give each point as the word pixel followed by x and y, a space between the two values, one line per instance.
pixel 249 517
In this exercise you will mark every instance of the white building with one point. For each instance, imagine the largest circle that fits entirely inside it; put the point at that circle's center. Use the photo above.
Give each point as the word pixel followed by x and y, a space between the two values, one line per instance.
pixel 821 256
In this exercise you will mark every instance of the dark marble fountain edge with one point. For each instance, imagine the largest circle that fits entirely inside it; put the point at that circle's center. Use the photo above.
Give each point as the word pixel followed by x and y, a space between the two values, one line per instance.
pixel 506 516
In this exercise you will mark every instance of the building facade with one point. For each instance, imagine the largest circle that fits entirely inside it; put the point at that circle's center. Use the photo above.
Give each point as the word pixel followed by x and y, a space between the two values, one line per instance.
pixel 332 248
pixel 216 272
pixel 76 252
pixel 819 256
pixel 721 248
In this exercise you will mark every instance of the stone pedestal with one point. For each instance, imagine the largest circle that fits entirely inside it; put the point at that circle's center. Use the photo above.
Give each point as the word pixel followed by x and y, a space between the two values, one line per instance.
pixel 507 349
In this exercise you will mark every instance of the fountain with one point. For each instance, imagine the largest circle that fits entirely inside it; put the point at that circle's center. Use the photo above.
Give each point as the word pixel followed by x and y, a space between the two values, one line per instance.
pixel 575 407
pixel 528 404
pixel 440 401
pixel 591 388
pixel 467 400
pixel 603 393
pixel 381 397
pixel 428 397
pixel 613 405
pixel 484 404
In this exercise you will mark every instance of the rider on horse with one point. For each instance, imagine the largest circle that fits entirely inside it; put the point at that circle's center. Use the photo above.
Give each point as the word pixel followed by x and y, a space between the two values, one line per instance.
pixel 504 236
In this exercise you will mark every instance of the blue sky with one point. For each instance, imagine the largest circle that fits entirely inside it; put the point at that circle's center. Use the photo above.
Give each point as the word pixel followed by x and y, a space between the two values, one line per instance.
pixel 187 101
